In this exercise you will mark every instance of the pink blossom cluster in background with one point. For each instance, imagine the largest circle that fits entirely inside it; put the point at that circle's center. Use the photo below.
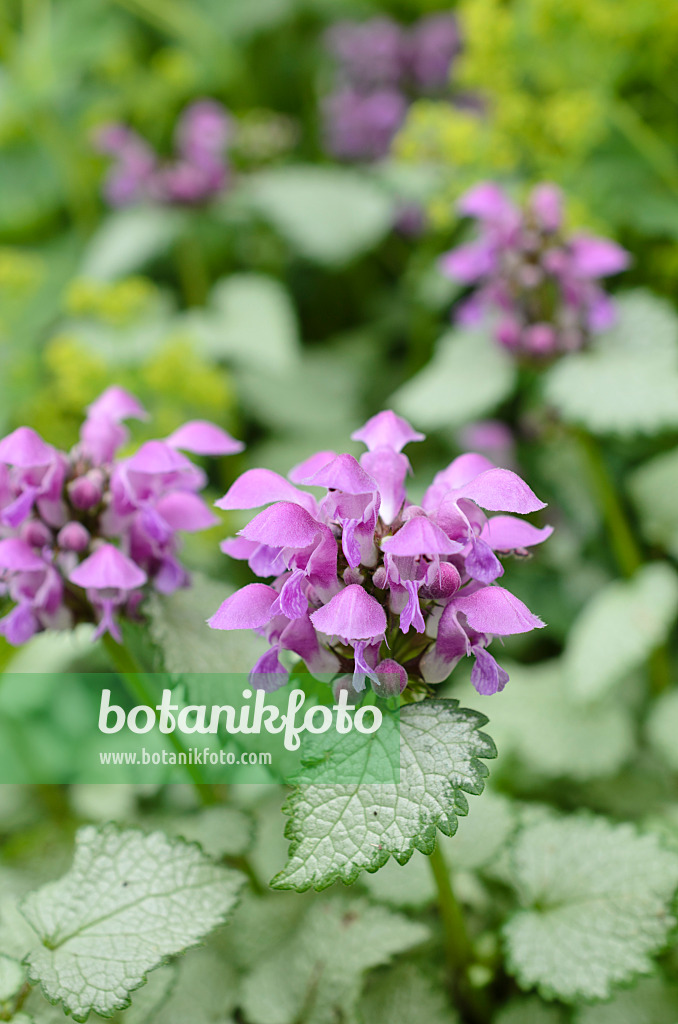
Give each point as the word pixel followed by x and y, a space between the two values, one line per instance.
pixel 82 533
pixel 538 283
pixel 198 171
pixel 380 67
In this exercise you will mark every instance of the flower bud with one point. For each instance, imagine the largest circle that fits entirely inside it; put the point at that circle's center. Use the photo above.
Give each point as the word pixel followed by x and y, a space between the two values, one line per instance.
pixel 446 583
pixel 35 533
pixel 73 537
pixel 352 576
pixel 392 678
pixel 380 577
pixel 85 492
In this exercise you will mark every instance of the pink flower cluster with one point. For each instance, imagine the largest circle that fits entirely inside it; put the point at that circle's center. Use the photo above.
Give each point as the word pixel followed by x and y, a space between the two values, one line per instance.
pixel 198 172
pixel 368 585
pixel 83 532
pixel 381 66
pixel 539 285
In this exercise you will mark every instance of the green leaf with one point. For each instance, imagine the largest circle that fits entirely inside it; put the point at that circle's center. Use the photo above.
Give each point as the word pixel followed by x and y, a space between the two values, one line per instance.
pixel 220 831
pixel 596 901
pixel 662 727
pixel 205 991
pixel 529 1011
pixel 538 722
pixel 12 977
pixel 405 993
pixel 128 239
pixel 316 974
pixel 178 627
pixel 337 831
pixel 327 214
pixel 627 383
pixel 129 900
pixel 618 629
pixel 250 320
pixel 320 396
pixel 650 1001
pixel 653 490
pixel 468 376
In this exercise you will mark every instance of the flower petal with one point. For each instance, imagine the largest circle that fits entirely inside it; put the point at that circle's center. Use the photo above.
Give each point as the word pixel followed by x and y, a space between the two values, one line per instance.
pixel 495 610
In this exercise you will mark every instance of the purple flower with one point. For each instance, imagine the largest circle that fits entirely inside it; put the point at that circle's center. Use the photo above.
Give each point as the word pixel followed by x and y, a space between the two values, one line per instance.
pixel 365 584
pixel 361 126
pixel 83 533
pixel 433 44
pixel 199 171
pixel 539 286
pixel 380 67
pixel 371 53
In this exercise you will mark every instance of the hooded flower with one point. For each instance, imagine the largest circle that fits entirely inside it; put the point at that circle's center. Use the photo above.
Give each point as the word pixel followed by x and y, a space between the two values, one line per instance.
pixel 366 585
pixel 83 533
pixel 539 284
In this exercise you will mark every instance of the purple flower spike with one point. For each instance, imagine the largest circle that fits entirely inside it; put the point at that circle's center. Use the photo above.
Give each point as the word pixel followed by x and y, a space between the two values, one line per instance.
pixel 537 284
pixel 204 438
pixel 353 574
pixel 198 172
pixel 86 519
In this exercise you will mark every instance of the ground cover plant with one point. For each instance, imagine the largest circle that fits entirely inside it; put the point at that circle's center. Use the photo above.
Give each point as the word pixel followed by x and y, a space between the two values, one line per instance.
pixel 339 355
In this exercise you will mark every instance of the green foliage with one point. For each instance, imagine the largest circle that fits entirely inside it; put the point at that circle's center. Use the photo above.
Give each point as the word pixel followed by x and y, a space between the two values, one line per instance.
pixel 318 970
pixel 326 214
pixel 467 377
pixel 541 725
pixel 129 899
pixel 619 628
pixel 651 1001
pixel 596 904
pixel 627 384
pixel 653 489
pixel 338 831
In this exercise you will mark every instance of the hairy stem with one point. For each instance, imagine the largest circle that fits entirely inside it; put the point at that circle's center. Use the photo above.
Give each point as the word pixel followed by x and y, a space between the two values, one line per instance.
pixel 137 684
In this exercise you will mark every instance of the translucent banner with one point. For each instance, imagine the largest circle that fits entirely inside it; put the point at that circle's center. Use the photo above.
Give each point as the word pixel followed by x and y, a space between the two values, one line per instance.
pixel 205 728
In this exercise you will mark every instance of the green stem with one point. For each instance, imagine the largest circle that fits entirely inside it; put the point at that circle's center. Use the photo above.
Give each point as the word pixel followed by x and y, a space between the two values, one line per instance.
pixel 457 943
pixel 137 683
pixel 458 948
pixel 628 553
pixel 626 549
pixel 192 269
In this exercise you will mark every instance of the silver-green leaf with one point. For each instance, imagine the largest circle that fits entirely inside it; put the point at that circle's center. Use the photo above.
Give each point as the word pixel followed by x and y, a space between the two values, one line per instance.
pixel 596 901
pixel 468 376
pixel 128 902
pixel 627 383
pixel 617 630
pixel 316 974
pixel 337 831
